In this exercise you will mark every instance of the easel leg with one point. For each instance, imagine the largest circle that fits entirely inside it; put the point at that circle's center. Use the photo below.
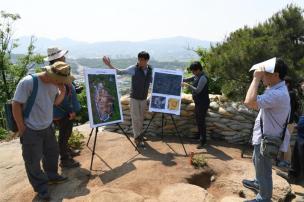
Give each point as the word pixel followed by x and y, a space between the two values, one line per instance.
pixel 180 138
pixel 162 133
pixel 149 123
pixel 90 136
pixel 93 152
pixel 128 137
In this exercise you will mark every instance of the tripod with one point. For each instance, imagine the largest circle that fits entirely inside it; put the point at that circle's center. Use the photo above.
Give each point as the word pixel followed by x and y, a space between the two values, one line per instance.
pixel 162 129
pixel 94 145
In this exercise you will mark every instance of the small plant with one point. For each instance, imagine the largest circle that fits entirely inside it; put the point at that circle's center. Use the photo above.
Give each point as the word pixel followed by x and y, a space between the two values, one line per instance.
pixel 198 160
pixel 76 140
pixel 3 134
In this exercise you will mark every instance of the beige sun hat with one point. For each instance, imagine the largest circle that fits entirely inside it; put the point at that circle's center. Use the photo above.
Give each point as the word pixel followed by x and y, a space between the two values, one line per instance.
pixel 54 53
pixel 60 71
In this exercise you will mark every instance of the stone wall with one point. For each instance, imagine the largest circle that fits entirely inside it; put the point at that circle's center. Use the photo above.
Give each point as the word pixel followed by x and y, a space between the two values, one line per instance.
pixel 226 120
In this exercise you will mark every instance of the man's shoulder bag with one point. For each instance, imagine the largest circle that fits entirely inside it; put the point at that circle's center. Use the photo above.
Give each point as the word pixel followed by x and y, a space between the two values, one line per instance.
pixel 270 145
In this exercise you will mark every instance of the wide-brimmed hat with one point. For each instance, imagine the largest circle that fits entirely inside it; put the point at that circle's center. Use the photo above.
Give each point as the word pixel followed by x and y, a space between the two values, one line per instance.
pixel 60 71
pixel 54 53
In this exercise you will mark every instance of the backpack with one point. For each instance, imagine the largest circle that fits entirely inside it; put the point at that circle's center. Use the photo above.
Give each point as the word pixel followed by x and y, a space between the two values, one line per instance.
pixel 10 121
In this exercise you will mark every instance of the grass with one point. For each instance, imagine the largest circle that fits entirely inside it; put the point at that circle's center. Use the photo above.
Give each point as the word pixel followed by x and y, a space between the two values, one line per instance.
pixel 198 160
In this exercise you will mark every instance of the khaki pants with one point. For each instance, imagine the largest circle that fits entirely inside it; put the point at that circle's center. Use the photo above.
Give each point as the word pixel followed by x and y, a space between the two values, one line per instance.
pixel 138 108
pixel 287 155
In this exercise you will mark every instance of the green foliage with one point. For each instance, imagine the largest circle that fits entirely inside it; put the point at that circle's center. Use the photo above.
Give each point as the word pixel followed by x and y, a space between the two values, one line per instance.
pixel 3 134
pixel 83 116
pixel 282 36
pixel 13 69
pixel 76 140
pixel 198 161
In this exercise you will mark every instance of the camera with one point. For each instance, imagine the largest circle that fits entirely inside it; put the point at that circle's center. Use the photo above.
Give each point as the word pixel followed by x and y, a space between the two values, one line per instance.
pixel 78 87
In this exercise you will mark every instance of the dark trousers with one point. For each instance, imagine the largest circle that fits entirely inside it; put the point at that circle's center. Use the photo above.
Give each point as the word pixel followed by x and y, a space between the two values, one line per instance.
pixel 65 127
pixel 36 146
pixel 200 116
pixel 297 160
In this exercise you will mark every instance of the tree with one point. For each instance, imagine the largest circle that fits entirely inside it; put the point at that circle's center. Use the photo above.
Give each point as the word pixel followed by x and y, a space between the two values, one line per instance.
pixel 13 67
pixel 282 36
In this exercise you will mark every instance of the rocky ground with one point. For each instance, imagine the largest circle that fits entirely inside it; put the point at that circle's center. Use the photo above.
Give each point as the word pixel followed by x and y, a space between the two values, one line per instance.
pixel 161 173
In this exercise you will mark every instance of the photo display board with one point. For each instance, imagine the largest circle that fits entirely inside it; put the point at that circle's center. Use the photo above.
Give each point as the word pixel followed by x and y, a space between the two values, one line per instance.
pixel 166 91
pixel 103 99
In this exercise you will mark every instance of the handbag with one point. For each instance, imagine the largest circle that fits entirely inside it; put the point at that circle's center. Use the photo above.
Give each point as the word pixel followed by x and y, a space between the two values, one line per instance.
pixel 270 145
pixel 10 121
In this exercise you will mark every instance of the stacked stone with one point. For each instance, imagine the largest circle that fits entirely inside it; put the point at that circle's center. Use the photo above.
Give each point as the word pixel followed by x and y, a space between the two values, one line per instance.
pixel 226 120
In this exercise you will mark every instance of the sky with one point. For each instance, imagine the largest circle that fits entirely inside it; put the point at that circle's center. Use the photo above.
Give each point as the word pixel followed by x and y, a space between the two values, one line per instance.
pixel 137 20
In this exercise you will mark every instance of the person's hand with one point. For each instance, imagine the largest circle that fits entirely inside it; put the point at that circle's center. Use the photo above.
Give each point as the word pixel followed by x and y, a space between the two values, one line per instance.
pixel 185 84
pixel 107 61
pixel 258 74
pixel 21 129
pixel 72 115
pixel 61 87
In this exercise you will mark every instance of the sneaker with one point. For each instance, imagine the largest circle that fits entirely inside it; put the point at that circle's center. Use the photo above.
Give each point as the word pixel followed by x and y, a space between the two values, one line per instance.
pixel 57 180
pixel 142 144
pixel 44 195
pixel 251 184
pixel 74 152
pixel 69 163
pixel 137 141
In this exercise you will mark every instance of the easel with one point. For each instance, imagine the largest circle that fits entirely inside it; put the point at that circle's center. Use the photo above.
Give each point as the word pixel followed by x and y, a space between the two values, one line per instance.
pixel 162 129
pixel 94 145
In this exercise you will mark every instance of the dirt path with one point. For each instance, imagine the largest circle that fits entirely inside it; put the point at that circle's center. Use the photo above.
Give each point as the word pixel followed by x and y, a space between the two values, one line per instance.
pixel 122 168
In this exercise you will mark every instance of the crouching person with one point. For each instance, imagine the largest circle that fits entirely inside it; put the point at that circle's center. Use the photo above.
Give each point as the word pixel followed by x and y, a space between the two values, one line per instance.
pixel 270 124
pixel 40 91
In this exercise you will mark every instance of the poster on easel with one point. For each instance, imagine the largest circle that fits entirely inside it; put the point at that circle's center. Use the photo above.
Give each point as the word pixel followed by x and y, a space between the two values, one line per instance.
pixel 166 91
pixel 103 99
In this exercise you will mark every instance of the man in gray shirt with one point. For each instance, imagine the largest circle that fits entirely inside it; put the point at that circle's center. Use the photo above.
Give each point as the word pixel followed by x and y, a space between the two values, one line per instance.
pixel 141 78
pixel 37 135
pixel 274 108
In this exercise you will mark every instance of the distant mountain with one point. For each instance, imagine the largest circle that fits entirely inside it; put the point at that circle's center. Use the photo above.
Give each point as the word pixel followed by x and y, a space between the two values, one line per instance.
pixel 164 49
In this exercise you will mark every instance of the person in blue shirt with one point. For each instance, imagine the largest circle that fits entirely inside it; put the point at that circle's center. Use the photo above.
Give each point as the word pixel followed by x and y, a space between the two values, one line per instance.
pixel 64 115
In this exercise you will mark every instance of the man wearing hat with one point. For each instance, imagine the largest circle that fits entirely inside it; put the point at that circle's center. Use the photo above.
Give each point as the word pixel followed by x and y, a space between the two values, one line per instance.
pixel 64 114
pixel 37 134
pixel 274 109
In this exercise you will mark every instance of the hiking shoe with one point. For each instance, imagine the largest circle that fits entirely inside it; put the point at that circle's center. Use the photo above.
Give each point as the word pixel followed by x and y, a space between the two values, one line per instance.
pixel 59 179
pixel 251 184
pixel 44 195
pixel 201 145
pixel 69 163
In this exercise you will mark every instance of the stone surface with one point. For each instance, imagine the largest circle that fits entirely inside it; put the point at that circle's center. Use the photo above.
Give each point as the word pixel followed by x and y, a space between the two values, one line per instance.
pixel 181 192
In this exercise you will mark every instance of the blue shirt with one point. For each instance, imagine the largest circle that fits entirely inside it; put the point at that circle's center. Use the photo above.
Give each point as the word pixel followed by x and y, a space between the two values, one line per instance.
pixel 68 105
pixel 274 105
